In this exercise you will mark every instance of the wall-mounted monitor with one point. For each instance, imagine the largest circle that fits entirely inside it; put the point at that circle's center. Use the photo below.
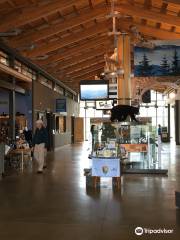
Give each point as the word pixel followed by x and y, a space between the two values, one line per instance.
pixel 94 90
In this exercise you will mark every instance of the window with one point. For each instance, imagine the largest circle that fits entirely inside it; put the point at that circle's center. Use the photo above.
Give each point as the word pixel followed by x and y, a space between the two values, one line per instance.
pixel 59 89
pixel 46 82
pixel 69 94
pixel 21 68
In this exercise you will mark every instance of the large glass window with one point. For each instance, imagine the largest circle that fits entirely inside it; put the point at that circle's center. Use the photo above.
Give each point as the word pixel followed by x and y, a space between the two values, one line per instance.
pixel 21 68
pixel 59 89
pixel 46 82
pixel 157 109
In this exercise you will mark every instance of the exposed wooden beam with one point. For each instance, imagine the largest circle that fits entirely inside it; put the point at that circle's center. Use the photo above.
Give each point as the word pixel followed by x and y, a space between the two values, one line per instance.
pixel 3 1
pixel 164 8
pixel 30 14
pixel 84 17
pixel 73 38
pixel 81 58
pixel 172 1
pixel 12 72
pixel 83 48
pixel 151 31
pixel 148 4
pixel 75 82
pixel 82 65
pixel 94 71
pixel 75 66
pixel 9 86
pixel 97 66
pixel 72 73
pixel 146 14
pixel 87 76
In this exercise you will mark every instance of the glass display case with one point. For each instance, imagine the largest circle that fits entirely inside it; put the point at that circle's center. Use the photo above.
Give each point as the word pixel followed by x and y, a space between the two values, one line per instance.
pixel 134 144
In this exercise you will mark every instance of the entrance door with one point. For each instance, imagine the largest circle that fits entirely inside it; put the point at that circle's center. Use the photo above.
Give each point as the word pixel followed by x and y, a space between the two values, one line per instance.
pixel 72 129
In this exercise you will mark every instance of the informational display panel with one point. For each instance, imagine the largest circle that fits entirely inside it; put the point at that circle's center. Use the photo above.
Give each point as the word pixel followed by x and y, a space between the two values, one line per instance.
pixel 104 105
pixel 61 105
pixel 106 167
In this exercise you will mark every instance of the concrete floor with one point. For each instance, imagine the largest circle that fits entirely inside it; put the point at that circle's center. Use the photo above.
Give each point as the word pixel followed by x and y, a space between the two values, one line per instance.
pixel 56 205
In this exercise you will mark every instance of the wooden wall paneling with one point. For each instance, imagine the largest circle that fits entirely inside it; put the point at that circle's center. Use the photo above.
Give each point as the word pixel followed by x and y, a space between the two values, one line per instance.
pixel 79 130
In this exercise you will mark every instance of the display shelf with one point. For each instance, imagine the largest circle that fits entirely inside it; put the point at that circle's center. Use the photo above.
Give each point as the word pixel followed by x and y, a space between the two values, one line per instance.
pixel 134 144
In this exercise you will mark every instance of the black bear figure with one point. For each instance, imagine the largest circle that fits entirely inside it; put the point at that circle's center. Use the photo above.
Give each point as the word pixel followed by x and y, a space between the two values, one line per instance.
pixel 121 112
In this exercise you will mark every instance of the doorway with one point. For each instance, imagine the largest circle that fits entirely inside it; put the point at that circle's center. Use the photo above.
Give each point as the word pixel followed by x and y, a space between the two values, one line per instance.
pixel 72 129
pixel 50 127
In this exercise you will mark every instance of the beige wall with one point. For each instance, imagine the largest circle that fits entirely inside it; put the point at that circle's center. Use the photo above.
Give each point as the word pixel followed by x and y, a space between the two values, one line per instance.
pixel 44 99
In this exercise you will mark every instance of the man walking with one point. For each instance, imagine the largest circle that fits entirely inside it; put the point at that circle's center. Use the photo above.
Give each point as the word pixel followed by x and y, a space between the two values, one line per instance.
pixel 40 141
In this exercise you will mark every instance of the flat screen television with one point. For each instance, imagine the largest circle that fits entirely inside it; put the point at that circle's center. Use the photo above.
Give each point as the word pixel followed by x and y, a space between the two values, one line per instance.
pixel 94 90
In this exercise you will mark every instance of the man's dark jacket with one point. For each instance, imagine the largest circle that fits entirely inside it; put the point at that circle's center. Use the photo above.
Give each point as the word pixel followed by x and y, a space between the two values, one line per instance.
pixel 40 136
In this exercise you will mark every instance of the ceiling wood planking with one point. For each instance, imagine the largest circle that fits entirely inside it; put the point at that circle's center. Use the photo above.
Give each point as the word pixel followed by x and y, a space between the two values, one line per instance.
pixel 148 14
pixel 96 70
pixel 172 1
pixel 82 65
pixel 83 57
pixel 148 4
pixel 76 71
pixel 69 47
pixel 88 76
pixel 151 31
pixel 164 8
pixel 88 69
pixel 83 48
pixel 31 14
pixel 73 38
pixel 84 17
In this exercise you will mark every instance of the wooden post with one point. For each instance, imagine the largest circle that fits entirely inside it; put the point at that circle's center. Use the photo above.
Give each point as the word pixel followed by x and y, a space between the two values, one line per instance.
pixel 124 59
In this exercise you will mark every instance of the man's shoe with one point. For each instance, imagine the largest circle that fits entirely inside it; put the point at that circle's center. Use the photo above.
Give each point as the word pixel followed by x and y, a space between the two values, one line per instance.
pixel 39 172
pixel 44 166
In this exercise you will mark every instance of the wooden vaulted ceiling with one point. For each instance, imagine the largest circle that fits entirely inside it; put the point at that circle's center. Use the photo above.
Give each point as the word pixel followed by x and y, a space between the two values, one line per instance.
pixel 68 38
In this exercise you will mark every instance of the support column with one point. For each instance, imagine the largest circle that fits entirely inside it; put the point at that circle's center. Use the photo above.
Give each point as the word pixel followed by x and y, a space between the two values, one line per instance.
pixel 177 123
pixel 124 60
pixel 12 111
pixel 169 122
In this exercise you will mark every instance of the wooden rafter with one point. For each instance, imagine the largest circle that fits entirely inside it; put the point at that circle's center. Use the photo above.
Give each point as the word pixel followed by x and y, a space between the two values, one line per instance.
pixel 84 48
pixel 148 14
pixel 53 46
pixel 148 4
pixel 93 71
pixel 97 66
pixel 82 65
pixel 83 57
pixel 151 31
pixel 87 76
pixel 84 17
pixel 172 1
pixel 29 14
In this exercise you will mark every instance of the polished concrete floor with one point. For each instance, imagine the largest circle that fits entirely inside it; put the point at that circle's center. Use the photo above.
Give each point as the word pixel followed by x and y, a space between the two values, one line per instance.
pixel 57 206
